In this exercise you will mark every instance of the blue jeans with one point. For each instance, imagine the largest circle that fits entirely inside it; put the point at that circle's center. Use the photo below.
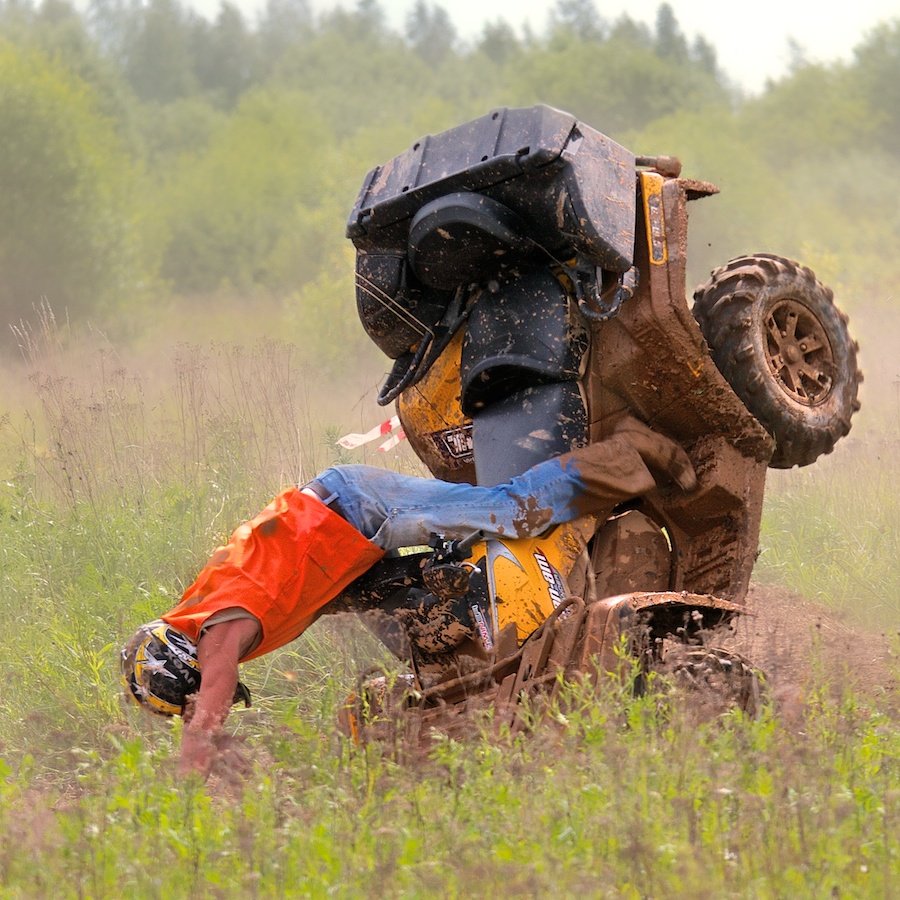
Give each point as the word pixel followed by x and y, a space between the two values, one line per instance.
pixel 394 510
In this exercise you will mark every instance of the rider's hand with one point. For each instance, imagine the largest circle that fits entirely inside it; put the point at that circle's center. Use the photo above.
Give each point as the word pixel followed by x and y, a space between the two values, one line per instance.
pixel 198 751
pixel 658 452
pixel 218 651
pixel 632 461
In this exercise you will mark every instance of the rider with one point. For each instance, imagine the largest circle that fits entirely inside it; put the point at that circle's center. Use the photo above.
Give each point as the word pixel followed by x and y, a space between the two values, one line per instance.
pixel 280 569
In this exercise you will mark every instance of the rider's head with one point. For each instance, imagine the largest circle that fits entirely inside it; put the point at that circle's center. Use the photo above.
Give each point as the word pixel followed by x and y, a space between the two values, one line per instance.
pixel 160 670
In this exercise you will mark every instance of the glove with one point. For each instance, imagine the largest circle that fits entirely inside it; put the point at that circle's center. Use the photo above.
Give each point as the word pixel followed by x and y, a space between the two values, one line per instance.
pixel 621 467
pixel 659 453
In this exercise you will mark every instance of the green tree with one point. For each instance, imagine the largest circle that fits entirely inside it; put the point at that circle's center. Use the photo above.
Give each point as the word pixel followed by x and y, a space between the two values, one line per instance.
pixel 876 77
pixel 704 54
pixel 356 72
pixel 225 55
pixel 225 210
pixel 670 41
pixel 815 113
pixel 617 85
pixel 626 30
pixel 365 22
pixel 498 42
pixel 285 24
pixel 111 23
pixel 56 29
pixel 158 58
pixel 16 17
pixel 430 32
pixel 578 19
pixel 169 132
pixel 66 219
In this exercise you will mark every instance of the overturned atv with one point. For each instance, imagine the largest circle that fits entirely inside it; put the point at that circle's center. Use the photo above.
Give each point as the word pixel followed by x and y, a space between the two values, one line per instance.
pixel 526 275
pixel 626 636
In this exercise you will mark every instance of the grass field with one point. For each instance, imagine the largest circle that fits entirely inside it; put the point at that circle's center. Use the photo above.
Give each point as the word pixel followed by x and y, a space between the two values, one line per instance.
pixel 116 485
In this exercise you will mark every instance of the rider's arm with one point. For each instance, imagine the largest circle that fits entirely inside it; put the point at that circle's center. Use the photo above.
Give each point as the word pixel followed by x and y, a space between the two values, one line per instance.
pixel 218 651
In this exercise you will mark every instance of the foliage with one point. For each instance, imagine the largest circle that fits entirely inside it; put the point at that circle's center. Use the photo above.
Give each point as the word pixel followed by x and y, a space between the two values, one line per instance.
pixel 807 509
pixel 622 82
pixel 271 152
pixel 874 77
pixel 221 156
pixel 67 220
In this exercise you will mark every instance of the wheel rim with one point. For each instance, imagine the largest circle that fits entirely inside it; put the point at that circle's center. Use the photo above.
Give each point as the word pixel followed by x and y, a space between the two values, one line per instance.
pixel 798 352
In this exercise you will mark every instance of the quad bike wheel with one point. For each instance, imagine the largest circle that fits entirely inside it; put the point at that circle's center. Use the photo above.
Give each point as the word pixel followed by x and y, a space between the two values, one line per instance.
pixel 784 347
pixel 718 679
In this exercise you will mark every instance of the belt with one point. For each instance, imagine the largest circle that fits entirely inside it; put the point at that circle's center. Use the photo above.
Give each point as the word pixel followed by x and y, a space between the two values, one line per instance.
pixel 329 498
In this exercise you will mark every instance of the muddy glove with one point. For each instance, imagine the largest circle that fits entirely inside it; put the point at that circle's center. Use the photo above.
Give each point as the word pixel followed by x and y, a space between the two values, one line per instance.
pixel 621 467
pixel 661 454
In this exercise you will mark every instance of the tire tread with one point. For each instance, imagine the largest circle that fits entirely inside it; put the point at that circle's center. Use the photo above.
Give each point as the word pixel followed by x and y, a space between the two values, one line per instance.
pixel 724 309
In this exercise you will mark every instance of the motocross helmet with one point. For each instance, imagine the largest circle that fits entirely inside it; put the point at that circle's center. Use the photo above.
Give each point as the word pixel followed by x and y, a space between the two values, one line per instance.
pixel 160 670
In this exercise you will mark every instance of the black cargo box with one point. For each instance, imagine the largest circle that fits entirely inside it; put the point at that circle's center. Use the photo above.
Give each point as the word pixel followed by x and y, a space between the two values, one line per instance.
pixel 572 187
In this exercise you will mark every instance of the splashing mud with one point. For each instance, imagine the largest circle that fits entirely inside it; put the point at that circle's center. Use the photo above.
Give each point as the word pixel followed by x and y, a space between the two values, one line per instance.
pixel 801 645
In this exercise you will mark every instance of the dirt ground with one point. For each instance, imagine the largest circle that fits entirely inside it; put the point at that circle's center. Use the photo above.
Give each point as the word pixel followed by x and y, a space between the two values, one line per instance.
pixel 799 644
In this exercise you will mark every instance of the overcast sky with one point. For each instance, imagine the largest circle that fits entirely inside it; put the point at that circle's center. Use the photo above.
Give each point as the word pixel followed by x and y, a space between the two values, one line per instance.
pixel 751 39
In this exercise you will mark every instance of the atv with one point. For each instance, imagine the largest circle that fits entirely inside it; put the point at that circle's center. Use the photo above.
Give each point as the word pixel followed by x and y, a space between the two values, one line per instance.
pixel 526 273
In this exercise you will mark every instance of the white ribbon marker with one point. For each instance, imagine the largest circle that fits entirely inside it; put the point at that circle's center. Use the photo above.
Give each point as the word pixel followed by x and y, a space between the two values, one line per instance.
pixel 354 440
pixel 392 441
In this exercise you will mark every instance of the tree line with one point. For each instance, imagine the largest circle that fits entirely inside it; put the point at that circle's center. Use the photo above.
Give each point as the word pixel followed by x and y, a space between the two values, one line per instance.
pixel 148 153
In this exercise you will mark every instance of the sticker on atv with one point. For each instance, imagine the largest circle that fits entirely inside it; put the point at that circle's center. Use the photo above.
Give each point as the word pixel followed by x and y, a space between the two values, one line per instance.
pixel 454 443
pixel 555 585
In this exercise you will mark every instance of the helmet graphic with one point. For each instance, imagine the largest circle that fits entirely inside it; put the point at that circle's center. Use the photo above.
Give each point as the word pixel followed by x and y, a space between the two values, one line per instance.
pixel 160 670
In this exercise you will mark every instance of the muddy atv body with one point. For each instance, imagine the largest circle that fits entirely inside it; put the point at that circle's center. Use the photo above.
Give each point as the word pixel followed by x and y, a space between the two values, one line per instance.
pixel 527 276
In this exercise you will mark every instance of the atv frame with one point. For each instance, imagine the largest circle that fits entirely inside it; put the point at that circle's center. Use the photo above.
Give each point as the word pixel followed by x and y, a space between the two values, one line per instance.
pixel 527 275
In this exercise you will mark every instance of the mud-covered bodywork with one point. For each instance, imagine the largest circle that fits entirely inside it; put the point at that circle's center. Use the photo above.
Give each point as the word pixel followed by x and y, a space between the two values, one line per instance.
pixel 578 640
pixel 535 364
pixel 527 276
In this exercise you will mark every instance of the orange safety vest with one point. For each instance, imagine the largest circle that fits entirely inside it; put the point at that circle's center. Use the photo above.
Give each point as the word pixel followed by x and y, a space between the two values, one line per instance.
pixel 282 567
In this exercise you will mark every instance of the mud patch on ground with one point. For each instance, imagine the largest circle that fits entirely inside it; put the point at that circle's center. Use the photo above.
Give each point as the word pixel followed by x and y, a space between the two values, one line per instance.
pixel 801 645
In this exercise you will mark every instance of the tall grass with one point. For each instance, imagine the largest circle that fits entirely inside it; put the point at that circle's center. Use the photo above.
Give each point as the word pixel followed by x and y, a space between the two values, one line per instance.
pixel 115 487
pixel 622 797
pixel 832 532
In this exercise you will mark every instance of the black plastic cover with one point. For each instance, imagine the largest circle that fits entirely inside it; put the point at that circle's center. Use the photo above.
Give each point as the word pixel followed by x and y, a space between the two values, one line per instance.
pixel 524 334
pixel 526 428
pixel 573 186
